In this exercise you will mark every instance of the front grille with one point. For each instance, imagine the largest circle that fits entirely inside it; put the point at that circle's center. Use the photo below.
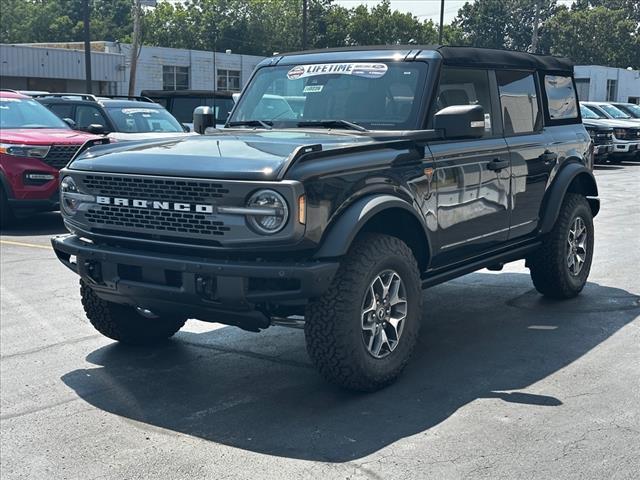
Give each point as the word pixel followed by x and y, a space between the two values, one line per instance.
pixel 190 191
pixel 601 138
pixel 59 155
pixel 158 223
pixel 155 221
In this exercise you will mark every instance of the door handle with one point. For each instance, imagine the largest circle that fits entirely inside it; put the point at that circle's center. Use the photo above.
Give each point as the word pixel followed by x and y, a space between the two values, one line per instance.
pixel 548 157
pixel 497 164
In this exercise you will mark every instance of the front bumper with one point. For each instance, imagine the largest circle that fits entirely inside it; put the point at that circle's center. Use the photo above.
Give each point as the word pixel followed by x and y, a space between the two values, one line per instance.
pixel 624 148
pixel 25 206
pixel 602 150
pixel 225 291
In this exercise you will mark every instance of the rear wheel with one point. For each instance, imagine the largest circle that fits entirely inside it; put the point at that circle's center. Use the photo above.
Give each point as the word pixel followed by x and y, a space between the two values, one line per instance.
pixel 125 324
pixel 362 331
pixel 559 269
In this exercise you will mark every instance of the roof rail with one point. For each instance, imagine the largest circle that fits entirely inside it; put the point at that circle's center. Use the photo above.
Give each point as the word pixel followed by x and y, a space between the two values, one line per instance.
pixel 83 96
pixel 139 98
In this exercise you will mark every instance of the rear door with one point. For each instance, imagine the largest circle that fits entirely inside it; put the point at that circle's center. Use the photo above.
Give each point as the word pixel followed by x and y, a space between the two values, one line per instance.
pixel 472 194
pixel 530 148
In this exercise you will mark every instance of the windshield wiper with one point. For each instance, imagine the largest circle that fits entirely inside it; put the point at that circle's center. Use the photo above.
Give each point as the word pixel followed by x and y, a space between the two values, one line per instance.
pixel 252 123
pixel 333 123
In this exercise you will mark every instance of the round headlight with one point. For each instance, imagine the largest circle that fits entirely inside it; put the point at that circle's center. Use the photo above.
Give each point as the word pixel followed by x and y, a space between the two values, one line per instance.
pixel 68 203
pixel 275 211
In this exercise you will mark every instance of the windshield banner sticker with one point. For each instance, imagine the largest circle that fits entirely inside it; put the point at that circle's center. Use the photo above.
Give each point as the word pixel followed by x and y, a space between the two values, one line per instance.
pixel 366 70
pixel 131 111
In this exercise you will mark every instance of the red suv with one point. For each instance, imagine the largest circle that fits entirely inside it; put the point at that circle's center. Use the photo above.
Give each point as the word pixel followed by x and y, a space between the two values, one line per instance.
pixel 34 145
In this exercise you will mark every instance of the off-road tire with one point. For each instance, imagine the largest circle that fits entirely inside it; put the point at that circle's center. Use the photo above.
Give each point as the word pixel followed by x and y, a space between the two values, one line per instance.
pixel 548 265
pixel 123 323
pixel 333 329
pixel 6 214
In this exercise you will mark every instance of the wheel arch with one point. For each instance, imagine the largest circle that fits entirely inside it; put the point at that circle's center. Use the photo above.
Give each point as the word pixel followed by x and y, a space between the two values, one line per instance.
pixel 384 214
pixel 574 177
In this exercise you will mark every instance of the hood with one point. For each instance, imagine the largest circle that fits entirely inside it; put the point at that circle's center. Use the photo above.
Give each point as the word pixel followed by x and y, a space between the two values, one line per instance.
pixel 595 125
pixel 234 154
pixel 44 136
pixel 121 136
pixel 609 122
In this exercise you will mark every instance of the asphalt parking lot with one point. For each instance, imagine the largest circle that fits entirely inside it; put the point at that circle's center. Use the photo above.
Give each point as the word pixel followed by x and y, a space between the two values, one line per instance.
pixel 503 385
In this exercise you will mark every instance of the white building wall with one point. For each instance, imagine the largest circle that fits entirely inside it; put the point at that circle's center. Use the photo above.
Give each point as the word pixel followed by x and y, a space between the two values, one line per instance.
pixel 628 82
pixel 200 63
pixel 38 62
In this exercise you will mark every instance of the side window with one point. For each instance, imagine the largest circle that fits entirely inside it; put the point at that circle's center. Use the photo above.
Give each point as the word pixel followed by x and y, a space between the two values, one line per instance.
pixel 464 86
pixel 87 115
pixel 519 102
pixel 63 110
pixel 561 97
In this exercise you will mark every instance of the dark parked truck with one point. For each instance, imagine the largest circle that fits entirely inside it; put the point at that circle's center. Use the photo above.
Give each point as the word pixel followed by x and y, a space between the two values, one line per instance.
pixel 399 168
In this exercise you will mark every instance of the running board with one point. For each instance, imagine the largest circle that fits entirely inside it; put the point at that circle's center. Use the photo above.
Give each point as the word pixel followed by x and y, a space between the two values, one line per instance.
pixel 506 257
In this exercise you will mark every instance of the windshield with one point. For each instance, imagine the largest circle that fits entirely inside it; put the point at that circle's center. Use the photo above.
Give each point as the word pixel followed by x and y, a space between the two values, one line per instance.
pixel 586 112
pixel 27 113
pixel 614 112
pixel 382 96
pixel 631 109
pixel 143 120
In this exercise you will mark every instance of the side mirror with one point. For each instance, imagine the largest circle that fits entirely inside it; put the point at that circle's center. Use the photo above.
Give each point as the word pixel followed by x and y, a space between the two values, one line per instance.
pixel 97 129
pixel 235 97
pixel 460 121
pixel 203 118
pixel 186 128
pixel 70 122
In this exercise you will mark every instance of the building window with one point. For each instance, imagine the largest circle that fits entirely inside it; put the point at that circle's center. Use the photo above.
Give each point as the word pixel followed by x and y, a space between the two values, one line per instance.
pixel 612 90
pixel 583 85
pixel 175 78
pixel 229 80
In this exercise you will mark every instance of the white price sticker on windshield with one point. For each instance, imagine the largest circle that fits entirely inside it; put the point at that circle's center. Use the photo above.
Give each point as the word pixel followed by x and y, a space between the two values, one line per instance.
pixel 365 70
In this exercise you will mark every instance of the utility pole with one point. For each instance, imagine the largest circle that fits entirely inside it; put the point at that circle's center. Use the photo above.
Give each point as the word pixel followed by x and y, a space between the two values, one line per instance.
pixel 305 7
pixel 441 21
pixel 135 48
pixel 534 35
pixel 87 47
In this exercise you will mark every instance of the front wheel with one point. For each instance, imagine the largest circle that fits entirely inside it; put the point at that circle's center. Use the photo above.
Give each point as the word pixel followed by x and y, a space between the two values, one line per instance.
pixel 361 333
pixel 559 269
pixel 125 324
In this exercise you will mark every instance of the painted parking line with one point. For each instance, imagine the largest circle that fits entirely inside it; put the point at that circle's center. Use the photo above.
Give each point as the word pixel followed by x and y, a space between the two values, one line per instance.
pixel 24 244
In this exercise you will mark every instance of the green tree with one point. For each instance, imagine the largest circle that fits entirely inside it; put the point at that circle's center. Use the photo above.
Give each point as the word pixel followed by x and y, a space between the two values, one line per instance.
pixel 502 23
pixel 596 35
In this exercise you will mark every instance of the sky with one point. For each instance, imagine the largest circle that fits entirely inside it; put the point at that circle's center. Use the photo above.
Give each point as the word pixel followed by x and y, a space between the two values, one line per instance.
pixel 423 9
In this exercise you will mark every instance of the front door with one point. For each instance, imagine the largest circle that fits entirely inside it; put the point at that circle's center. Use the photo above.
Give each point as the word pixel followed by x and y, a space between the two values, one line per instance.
pixel 472 177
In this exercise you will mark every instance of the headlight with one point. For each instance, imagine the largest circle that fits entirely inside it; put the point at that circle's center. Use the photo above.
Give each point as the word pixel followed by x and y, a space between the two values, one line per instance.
pixel 70 196
pixel 270 211
pixel 620 133
pixel 28 151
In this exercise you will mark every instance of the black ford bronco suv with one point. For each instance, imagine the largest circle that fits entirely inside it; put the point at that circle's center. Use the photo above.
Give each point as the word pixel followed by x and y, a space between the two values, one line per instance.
pixel 345 182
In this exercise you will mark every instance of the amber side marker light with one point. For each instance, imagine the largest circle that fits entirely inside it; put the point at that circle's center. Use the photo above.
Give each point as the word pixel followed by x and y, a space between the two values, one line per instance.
pixel 302 209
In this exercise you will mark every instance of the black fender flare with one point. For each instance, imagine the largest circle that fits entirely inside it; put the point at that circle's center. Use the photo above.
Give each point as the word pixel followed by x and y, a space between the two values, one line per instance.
pixel 341 233
pixel 572 172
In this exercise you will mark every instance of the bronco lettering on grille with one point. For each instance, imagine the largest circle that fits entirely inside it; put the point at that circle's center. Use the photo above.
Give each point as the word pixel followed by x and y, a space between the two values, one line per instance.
pixel 155 204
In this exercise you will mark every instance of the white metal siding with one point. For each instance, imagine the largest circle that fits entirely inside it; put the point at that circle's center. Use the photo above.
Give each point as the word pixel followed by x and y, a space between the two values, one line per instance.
pixel 37 62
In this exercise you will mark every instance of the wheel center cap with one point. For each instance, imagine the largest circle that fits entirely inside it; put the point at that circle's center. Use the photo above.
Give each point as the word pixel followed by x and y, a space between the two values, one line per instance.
pixel 381 313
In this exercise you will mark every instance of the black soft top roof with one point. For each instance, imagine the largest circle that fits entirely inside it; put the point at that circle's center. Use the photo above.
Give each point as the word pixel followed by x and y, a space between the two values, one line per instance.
pixel 489 57
pixel 451 55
